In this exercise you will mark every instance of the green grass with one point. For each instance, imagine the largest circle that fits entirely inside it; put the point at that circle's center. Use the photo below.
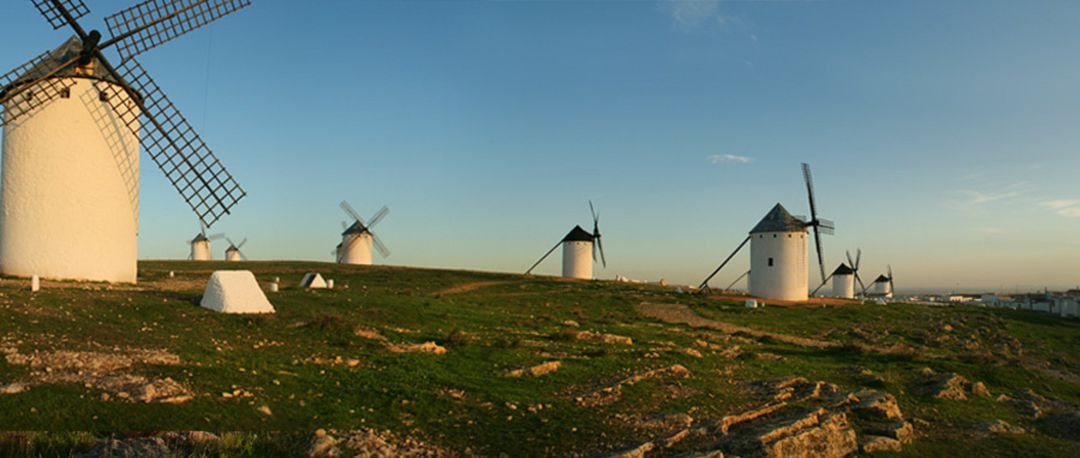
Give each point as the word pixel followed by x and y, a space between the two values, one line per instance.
pixel 510 323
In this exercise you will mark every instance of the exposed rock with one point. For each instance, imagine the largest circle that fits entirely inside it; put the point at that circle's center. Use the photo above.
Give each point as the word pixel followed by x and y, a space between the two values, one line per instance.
pixel 1001 427
pixel 537 370
pixel 633 452
pixel 1032 404
pixel 876 402
pixel 817 433
pixel 979 389
pixel 368 333
pixel 323 444
pixel 13 388
pixel 870 444
pixel 692 352
pixel 605 338
pixel 945 386
pixel 426 347
pixel 766 356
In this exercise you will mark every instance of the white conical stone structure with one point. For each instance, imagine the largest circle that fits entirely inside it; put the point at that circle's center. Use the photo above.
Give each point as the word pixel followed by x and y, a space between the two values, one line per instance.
pixel 235 291
pixel 313 280
pixel 882 287
pixel 232 253
pixel 843 282
pixel 778 257
pixel 355 246
pixel 200 248
pixel 70 197
pixel 577 254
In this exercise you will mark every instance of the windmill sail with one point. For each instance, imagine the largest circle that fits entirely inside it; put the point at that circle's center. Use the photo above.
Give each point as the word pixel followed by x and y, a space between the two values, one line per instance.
pixel 75 9
pixel 154 22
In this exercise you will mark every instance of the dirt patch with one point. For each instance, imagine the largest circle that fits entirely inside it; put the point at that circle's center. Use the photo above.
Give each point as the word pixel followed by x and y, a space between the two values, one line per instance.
pixel 111 373
pixel 467 287
pixel 426 347
pixel 613 392
pixel 681 314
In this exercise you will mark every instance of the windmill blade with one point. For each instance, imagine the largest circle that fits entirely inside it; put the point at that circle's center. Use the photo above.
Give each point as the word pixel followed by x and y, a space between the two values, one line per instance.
pixel 823 283
pixel 737 280
pixel 75 9
pixel 379 246
pixel 352 212
pixel 858 258
pixel 705 283
pixel 378 216
pixel 202 228
pixel 217 236
pixel 827 226
pixel 154 22
pixel 344 226
pixel 542 258
pixel 592 210
pixel 192 168
pixel 30 86
pixel 242 242
pixel 820 254
pixel 814 218
pixel 603 260
pixel 230 241
pixel 242 255
pixel 850 263
pixel 861 284
pixel 891 288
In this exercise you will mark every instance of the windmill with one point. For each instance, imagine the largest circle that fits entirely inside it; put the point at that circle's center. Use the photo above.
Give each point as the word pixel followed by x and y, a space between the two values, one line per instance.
pixel 200 244
pixel 577 246
pixel 73 123
pixel 357 238
pixel 778 267
pixel 883 285
pixel 844 278
pixel 233 253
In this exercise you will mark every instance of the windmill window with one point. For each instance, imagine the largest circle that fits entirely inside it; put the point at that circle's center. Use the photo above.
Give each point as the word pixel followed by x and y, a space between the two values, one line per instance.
pixel 103 96
pixel 770 262
pixel 774 236
pixel 789 236
pixel 65 93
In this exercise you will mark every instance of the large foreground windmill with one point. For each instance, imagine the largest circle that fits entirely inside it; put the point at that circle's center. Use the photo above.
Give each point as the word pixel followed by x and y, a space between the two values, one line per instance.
pixel 778 264
pixel 73 124
pixel 357 238
pixel 579 250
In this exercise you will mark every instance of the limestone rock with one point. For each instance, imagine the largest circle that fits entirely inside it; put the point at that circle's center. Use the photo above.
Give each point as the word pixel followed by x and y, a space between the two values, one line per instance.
pixel 1001 427
pixel 537 370
pixel 870 444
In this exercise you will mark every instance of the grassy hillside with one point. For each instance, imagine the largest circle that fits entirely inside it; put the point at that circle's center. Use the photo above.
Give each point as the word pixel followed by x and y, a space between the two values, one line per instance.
pixel 346 359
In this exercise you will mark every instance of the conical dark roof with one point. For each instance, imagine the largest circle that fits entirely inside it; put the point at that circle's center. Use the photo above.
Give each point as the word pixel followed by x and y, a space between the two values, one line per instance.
pixel 843 269
pixel 779 220
pixel 64 53
pixel 577 234
pixel 200 238
pixel 881 279
pixel 356 228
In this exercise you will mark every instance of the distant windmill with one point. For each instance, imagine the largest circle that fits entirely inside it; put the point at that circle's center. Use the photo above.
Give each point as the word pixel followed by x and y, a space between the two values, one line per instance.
pixel 200 245
pixel 233 253
pixel 357 239
pixel 883 285
pixel 73 123
pixel 577 246
pixel 778 267
pixel 844 278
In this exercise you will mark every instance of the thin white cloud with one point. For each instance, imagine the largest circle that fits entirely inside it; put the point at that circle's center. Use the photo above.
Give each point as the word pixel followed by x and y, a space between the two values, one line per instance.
pixel 1069 208
pixel 729 159
pixel 1058 204
pixel 693 14
pixel 979 198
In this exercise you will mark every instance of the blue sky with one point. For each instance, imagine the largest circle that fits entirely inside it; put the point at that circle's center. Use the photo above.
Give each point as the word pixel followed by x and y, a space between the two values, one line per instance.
pixel 944 135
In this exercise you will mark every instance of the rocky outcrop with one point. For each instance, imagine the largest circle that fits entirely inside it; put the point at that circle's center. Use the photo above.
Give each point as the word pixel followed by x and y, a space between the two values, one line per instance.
pixel 537 370
pixel 949 385
pixel 1001 427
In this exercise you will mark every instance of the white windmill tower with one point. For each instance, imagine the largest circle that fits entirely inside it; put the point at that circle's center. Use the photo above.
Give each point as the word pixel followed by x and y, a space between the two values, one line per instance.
pixel 233 253
pixel 844 278
pixel 883 285
pixel 778 251
pixel 357 239
pixel 73 123
pixel 200 245
pixel 579 250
